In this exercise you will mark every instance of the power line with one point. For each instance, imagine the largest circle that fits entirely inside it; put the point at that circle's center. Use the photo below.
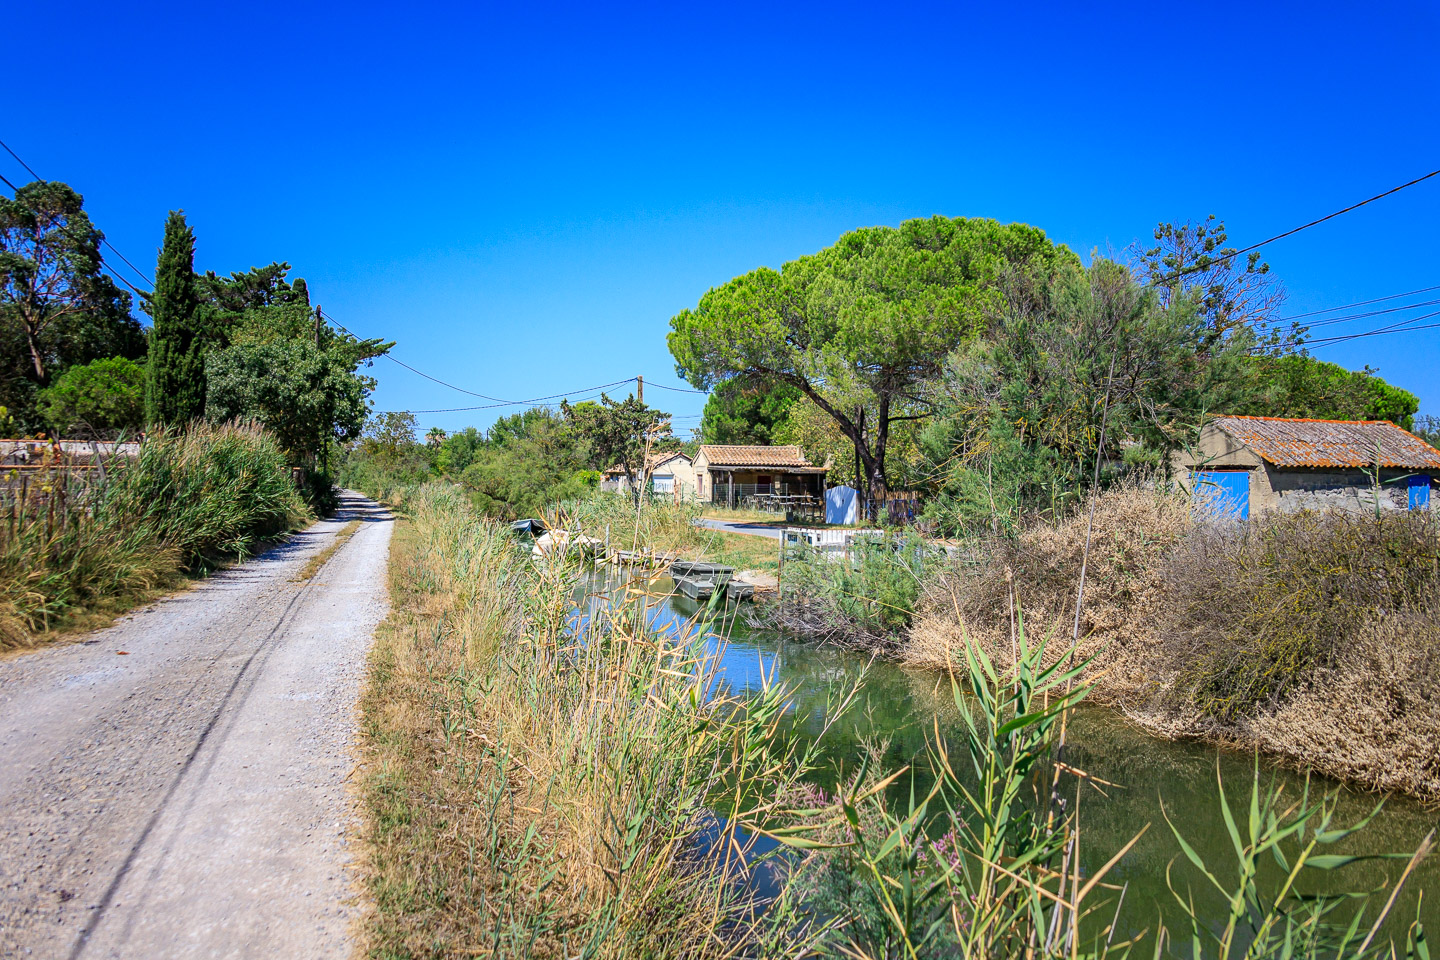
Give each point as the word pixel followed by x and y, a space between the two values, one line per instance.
pixel 1359 303
pixel 662 386
pixel 1361 316
pixel 492 406
pixel 1281 236
pixel 105 266
pixel 103 240
pixel 497 401
pixel 1404 326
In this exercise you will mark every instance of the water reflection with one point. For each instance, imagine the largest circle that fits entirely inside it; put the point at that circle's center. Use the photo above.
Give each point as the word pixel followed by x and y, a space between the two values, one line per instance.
pixel 896 717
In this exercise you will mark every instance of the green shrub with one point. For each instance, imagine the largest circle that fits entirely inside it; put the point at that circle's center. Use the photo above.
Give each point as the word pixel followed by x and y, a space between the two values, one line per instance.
pixel 105 396
pixel 211 492
pixel 866 596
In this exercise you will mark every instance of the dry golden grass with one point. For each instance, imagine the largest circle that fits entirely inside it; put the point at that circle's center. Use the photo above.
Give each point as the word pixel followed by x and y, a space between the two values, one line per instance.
pixel 1135 526
pixel 531 791
pixel 1161 598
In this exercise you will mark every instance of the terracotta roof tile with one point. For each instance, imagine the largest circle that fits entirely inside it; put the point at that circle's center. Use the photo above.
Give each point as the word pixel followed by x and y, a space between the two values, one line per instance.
pixel 734 455
pixel 1330 443
pixel 656 460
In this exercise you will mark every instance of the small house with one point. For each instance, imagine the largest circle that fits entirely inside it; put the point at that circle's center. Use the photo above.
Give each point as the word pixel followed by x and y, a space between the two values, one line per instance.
pixel 669 473
pixel 1248 465
pixel 731 474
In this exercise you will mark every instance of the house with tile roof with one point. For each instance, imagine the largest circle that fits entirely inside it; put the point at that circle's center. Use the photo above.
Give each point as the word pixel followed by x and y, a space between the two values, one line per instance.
pixel 1242 466
pixel 671 473
pixel 733 473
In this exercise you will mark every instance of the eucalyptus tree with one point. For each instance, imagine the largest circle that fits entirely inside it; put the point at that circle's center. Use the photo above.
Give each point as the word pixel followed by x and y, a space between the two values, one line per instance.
pixel 56 306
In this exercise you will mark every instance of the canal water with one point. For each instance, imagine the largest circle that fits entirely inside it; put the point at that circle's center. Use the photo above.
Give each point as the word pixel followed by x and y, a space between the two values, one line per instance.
pixel 896 713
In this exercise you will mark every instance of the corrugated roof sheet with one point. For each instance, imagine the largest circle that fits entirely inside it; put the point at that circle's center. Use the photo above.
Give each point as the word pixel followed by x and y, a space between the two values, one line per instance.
pixel 1330 443
pixel 736 455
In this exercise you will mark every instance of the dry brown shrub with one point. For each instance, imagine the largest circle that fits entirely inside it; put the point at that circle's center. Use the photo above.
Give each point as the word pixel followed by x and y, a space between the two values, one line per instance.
pixel 1258 608
pixel 1136 524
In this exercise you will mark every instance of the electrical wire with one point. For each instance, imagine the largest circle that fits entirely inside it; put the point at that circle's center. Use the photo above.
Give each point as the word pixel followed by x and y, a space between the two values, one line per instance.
pixel 1376 333
pixel 103 265
pixel 107 243
pixel 1359 303
pixel 497 401
pixel 1273 324
pixel 662 386
pixel 1281 236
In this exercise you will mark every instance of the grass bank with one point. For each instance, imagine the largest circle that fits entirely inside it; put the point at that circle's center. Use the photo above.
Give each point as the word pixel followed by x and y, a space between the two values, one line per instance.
pixel 537 787
pixel 75 547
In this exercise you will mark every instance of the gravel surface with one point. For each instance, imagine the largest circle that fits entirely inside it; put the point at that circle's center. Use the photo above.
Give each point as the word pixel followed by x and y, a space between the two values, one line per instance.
pixel 175 785
pixel 740 526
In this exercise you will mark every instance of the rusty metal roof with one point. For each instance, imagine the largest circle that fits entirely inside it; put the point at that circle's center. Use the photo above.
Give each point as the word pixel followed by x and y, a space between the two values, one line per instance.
pixel 1330 443
pixel 736 455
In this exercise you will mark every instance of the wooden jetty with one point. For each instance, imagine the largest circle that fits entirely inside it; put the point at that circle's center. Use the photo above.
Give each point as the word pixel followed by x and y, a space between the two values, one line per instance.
pixel 641 558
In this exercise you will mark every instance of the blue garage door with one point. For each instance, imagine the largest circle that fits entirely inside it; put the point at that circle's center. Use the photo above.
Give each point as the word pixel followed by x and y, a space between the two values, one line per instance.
pixel 1224 493
pixel 1419 493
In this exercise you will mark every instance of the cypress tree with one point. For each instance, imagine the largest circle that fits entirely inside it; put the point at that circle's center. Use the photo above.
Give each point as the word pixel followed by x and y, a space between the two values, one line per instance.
pixel 175 384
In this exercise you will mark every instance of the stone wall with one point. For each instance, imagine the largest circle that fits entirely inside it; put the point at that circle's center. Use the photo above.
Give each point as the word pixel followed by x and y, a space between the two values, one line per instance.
pixel 1349 490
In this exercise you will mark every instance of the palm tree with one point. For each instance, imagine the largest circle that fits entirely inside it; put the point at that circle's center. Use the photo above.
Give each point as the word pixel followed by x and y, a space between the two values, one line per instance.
pixel 434 437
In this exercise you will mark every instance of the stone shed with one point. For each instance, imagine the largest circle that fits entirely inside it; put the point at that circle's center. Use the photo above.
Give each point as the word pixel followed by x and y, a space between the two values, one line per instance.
pixel 1246 465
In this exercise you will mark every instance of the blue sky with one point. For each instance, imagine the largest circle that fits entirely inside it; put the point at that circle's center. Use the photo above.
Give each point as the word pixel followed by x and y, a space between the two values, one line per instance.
pixel 523 198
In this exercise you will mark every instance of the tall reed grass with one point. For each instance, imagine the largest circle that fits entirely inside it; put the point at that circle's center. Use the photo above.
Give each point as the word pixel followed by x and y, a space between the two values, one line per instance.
pixel 193 498
pixel 1312 636
pixel 548 776
pixel 986 861
pixel 627 525
pixel 547 786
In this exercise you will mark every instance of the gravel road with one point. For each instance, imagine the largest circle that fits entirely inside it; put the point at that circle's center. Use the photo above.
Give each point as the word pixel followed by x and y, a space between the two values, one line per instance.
pixel 740 526
pixel 175 785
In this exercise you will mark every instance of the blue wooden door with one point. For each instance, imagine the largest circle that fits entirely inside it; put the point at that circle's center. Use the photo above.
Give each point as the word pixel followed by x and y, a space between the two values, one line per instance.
pixel 1224 493
pixel 1419 493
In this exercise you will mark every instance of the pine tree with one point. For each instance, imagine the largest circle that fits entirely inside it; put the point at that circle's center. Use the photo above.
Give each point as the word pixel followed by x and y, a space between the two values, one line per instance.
pixel 175 388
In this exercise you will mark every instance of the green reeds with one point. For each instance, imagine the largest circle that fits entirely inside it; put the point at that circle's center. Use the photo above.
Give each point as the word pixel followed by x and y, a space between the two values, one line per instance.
pixel 75 539
pixel 546 785
pixel 985 862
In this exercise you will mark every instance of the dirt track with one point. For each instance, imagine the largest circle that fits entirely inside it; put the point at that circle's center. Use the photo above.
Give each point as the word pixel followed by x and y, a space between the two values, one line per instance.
pixel 188 798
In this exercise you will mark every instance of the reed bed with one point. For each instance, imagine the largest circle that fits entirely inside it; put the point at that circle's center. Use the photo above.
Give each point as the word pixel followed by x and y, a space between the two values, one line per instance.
pixel 542 786
pixel 626 524
pixel 73 541
pixel 538 784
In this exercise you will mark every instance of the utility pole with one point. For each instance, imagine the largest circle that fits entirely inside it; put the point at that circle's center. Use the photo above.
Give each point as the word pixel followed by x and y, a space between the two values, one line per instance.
pixel 322 454
pixel 640 389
